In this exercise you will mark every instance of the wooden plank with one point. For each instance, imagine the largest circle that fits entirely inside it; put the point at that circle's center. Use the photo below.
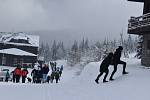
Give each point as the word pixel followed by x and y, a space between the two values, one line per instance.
pixel 140 30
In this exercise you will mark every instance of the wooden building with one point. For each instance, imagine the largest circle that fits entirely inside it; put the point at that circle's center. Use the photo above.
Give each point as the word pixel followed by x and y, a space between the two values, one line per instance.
pixel 18 48
pixel 141 26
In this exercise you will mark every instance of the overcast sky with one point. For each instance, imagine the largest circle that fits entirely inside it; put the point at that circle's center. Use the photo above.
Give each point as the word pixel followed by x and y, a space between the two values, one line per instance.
pixel 93 18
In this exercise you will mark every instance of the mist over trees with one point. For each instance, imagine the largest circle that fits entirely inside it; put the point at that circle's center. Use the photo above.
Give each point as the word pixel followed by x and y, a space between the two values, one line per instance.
pixel 82 52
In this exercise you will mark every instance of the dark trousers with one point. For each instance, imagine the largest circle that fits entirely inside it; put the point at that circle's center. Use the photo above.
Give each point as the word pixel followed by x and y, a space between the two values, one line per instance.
pixel 38 80
pixel 60 72
pixel 57 77
pixel 115 67
pixel 17 78
pixel 101 73
pixel 34 78
pixel 23 79
pixel 6 80
pixel 57 80
pixel 14 78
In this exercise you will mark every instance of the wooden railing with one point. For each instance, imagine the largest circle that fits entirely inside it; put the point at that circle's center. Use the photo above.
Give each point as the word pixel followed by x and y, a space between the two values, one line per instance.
pixel 137 22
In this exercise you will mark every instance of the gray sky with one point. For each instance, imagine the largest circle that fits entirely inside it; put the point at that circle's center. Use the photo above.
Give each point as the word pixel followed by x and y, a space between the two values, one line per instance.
pixel 94 19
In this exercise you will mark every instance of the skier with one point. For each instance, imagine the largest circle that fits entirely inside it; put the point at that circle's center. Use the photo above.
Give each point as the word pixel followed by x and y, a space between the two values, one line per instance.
pixel 24 74
pixel 104 67
pixel 116 61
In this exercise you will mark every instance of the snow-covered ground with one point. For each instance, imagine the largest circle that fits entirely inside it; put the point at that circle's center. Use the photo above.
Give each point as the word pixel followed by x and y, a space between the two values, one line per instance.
pixel 134 86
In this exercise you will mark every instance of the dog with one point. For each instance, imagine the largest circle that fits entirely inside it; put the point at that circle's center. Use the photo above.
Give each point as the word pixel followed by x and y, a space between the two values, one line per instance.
pixel 29 79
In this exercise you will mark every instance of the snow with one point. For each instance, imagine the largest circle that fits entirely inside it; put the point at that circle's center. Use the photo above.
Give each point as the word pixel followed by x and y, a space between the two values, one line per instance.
pixel 15 51
pixel 5 37
pixel 134 86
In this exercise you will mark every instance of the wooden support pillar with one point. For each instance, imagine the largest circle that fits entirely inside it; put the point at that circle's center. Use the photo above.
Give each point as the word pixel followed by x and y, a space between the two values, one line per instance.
pixel 146 50
pixel 146 6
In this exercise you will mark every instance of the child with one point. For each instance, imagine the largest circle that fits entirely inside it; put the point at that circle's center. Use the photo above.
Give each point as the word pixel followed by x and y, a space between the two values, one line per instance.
pixel 7 76
pixel 57 76
pixel 104 67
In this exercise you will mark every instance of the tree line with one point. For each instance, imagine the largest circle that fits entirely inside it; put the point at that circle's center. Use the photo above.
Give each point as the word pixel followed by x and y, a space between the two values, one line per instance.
pixel 84 52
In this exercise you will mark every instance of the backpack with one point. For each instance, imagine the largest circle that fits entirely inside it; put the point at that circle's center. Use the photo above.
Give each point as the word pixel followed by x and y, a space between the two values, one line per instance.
pixel 24 73
pixel 17 71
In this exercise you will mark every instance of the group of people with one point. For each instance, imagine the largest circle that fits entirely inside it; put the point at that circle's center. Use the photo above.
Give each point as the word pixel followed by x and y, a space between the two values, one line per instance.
pixel 111 59
pixel 16 75
pixel 43 75
pixel 39 74
pixel 56 72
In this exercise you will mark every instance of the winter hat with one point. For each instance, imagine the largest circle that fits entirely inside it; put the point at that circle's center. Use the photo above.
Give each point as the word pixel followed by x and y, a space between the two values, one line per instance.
pixel 120 48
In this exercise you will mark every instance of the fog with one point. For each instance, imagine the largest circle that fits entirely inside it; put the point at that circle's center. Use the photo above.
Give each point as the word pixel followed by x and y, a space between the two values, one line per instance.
pixel 68 19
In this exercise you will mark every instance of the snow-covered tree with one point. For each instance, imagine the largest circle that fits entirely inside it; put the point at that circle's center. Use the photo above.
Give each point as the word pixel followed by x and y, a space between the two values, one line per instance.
pixel 86 45
pixel 61 53
pixel 81 46
pixel 54 51
pixel 41 51
pixel 47 53
pixel 73 55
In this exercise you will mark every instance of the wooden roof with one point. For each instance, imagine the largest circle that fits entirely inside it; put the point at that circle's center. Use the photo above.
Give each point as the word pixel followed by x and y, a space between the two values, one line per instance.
pixel 137 0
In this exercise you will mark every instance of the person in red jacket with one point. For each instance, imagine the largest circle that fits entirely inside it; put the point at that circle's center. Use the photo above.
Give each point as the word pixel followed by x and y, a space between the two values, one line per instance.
pixel 17 73
pixel 24 74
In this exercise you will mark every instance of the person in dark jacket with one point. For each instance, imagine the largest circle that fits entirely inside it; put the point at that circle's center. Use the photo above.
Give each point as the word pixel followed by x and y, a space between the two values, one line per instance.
pixel 45 71
pixel 39 75
pixel 116 61
pixel 34 75
pixel 61 69
pixel 57 76
pixel 13 76
pixel 52 76
pixel 104 67
pixel 24 74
